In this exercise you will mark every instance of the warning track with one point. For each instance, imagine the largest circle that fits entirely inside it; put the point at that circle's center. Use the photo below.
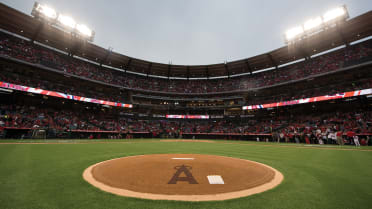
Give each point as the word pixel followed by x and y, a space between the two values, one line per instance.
pixel 279 145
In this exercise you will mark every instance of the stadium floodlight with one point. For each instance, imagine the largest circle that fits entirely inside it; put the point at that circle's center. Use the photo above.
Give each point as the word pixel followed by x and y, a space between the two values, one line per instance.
pixel 83 29
pixel 316 25
pixel 294 32
pixel 62 22
pixel 334 14
pixel 46 11
pixel 67 21
pixel 312 23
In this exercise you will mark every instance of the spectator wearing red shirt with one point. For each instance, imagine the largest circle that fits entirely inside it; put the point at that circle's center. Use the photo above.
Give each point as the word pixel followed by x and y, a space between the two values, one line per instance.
pixel 340 140
pixel 350 134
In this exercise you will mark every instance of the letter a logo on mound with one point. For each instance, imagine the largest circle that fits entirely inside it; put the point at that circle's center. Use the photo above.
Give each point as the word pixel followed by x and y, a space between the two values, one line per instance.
pixel 188 176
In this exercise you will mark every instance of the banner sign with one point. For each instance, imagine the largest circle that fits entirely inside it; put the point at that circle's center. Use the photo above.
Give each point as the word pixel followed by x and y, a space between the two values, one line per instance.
pixel 310 100
pixel 188 116
pixel 61 95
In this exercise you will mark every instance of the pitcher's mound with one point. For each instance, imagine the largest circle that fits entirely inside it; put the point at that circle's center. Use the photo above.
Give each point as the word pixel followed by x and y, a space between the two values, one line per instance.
pixel 186 177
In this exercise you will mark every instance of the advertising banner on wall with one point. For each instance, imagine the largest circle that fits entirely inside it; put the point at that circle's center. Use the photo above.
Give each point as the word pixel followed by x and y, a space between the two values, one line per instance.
pixel 16 87
pixel 310 100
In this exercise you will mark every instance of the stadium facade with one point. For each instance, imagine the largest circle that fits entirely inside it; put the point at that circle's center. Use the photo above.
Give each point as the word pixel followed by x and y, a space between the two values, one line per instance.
pixel 54 84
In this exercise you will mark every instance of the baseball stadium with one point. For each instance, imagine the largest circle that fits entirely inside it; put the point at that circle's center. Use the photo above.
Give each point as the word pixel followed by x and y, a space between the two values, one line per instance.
pixel 85 126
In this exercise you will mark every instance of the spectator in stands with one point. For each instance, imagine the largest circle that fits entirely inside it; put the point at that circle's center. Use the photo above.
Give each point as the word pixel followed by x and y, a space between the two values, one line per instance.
pixel 33 53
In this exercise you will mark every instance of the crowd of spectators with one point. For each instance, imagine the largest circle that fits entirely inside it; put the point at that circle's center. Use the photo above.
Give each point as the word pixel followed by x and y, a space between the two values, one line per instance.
pixel 73 88
pixel 33 53
pixel 321 64
pixel 314 129
pixel 17 116
pixel 325 129
pixel 312 92
pixel 8 74
pixel 319 128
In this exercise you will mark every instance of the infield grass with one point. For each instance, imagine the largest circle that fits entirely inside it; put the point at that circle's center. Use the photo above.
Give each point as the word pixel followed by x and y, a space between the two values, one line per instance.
pixel 36 176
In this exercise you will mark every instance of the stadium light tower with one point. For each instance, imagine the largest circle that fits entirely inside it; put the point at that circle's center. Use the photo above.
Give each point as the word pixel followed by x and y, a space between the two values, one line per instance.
pixel 334 14
pixel 316 25
pixel 45 10
pixel 84 30
pixel 67 21
pixel 61 21
pixel 312 23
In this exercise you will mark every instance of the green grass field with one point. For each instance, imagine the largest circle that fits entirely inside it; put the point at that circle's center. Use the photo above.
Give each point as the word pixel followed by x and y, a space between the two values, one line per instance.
pixel 50 175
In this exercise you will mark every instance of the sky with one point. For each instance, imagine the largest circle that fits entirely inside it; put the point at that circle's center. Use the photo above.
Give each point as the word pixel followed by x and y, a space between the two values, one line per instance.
pixel 192 32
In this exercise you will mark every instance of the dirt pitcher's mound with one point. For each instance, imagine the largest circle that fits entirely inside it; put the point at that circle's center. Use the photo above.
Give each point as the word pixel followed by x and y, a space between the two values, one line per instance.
pixel 186 177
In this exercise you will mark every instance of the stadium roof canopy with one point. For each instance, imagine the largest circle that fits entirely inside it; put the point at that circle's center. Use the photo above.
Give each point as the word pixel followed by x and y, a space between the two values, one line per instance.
pixel 27 26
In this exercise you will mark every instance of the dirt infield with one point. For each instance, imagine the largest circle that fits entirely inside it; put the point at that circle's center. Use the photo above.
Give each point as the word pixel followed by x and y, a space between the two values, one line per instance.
pixel 185 177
